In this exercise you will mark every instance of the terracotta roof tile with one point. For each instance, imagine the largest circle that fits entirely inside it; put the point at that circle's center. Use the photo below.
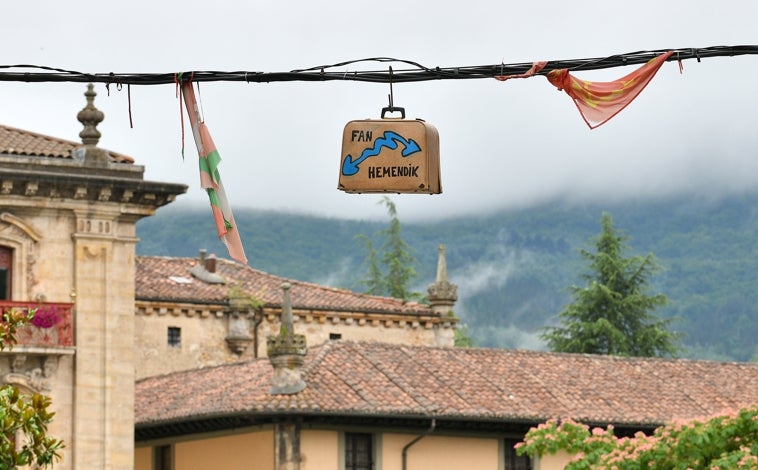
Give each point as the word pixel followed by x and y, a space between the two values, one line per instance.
pixel 165 279
pixel 20 142
pixel 474 384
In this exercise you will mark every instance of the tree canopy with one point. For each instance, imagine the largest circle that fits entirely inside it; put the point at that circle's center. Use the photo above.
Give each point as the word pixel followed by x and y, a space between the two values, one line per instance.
pixel 396 258
pixel 611 314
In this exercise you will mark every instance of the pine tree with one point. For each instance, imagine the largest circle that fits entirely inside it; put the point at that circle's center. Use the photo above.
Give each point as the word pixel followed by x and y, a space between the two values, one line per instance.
pixel 396 259
pixel 611 315
pixel 397 256
pixel 374 281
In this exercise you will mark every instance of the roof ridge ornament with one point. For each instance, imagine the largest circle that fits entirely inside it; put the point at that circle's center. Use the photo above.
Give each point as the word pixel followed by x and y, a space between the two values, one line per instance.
pixel 90 117
pixel 286 352
pixel 442 293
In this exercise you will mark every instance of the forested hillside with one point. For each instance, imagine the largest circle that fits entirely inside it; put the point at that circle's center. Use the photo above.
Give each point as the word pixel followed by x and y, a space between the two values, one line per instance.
pixel 513 268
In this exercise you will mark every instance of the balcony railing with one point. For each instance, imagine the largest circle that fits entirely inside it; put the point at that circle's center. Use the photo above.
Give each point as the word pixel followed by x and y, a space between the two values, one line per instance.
pixel 51 327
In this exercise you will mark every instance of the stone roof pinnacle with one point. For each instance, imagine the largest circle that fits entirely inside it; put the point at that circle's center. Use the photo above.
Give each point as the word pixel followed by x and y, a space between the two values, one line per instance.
pixel 442 294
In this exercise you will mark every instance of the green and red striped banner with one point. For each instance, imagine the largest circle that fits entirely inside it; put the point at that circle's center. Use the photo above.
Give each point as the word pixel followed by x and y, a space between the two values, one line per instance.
pixel 210 180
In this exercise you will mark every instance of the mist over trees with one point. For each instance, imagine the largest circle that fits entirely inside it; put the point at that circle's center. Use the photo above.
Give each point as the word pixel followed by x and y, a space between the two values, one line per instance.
pixel 513 268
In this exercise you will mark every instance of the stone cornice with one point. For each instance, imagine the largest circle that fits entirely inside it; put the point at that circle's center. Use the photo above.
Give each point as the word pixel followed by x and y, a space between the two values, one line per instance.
pixel 78 184
pixel 148 308
pixel 271 315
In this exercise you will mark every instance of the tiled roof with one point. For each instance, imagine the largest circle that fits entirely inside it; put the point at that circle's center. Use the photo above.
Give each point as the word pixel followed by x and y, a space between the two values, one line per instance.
pixel 20 142
pixel 169 279
pixel 385 380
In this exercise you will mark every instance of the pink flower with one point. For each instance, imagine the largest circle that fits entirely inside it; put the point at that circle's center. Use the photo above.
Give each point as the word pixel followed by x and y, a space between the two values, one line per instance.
pixel 46 317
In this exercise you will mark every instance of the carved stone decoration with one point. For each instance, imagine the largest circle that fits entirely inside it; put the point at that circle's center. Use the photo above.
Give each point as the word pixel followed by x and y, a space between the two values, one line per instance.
pixel 37 377
pixel 49 366
pixel 17 363
pixel 105 194
pixel 31 279
pixel 21 236
pixel 238 344
pixel 31 188
pixel 238 338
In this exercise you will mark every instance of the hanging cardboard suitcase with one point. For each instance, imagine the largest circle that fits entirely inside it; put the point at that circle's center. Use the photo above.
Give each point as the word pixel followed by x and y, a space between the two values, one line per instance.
pixel 390 156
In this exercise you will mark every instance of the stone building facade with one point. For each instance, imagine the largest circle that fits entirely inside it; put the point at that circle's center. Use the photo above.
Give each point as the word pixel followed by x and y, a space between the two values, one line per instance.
pixel 199 312
pixel 105 317
pixel 67 241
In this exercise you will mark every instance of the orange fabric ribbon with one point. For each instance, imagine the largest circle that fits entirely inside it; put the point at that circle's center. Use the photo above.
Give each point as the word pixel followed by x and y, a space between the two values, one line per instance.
pixel 536 67
pixel 598 102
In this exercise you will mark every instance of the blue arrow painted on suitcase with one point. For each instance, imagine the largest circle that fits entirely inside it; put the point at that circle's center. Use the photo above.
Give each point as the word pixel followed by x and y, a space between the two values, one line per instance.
pixel 389 140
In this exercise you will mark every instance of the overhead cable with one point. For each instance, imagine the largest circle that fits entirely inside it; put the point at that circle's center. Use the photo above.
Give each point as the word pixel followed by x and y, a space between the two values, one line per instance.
pixel 411 71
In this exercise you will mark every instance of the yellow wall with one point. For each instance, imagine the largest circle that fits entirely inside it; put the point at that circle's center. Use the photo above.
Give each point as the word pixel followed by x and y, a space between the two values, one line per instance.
pixel 439 452
pixel 253 450
pixel 243 451
pixel 143 458
pixel 319 450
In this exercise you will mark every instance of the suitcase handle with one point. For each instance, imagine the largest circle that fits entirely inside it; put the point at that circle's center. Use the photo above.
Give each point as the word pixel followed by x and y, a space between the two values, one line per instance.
pixel 393 109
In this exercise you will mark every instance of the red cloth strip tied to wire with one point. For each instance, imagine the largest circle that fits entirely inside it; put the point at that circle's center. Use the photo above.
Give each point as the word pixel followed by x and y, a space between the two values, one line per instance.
pixel 210 180
pixel 598 102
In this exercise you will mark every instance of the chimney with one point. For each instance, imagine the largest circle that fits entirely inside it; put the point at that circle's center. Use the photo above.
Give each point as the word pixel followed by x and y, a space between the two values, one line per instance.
pixel 205 269
pixel 210 263
pixel 286 352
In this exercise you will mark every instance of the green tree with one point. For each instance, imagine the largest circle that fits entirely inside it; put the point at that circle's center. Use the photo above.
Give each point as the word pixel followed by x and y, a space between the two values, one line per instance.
pixel 374 281
pixel 462 338
pixel 23 419
pixel 396 258
pixel 611 315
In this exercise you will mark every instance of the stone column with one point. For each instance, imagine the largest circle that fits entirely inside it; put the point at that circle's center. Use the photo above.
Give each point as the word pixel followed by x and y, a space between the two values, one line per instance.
pixel 287 446
pixel 442 297
pixel 286 351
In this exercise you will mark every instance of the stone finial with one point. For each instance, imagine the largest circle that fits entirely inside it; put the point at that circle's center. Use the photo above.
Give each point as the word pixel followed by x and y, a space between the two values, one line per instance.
pixel 90 117
pixel 442 293
pixel 286 352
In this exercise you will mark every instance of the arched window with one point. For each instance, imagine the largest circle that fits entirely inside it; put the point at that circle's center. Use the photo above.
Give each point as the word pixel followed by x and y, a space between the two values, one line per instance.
pixel 6 266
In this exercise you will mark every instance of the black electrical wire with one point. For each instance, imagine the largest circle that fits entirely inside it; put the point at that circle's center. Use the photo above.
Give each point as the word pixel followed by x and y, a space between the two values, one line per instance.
pixel 414 72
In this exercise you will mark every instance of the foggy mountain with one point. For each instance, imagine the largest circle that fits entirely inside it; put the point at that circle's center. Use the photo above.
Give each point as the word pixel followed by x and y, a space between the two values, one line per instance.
pixel 513 269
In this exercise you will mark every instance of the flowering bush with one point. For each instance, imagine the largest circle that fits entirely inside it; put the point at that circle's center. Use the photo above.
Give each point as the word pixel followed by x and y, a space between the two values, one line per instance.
pixel 45 317
pixel 724 442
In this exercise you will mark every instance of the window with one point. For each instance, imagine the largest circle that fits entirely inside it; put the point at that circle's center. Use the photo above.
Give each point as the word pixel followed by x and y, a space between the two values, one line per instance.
pixel 514 461
pixel 335 336
pixel 164 457
pixel 6 263
pixel 358 451
pixel 174 336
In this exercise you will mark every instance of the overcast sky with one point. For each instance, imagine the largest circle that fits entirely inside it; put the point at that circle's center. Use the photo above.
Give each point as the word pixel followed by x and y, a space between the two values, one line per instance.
pixel 503 145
